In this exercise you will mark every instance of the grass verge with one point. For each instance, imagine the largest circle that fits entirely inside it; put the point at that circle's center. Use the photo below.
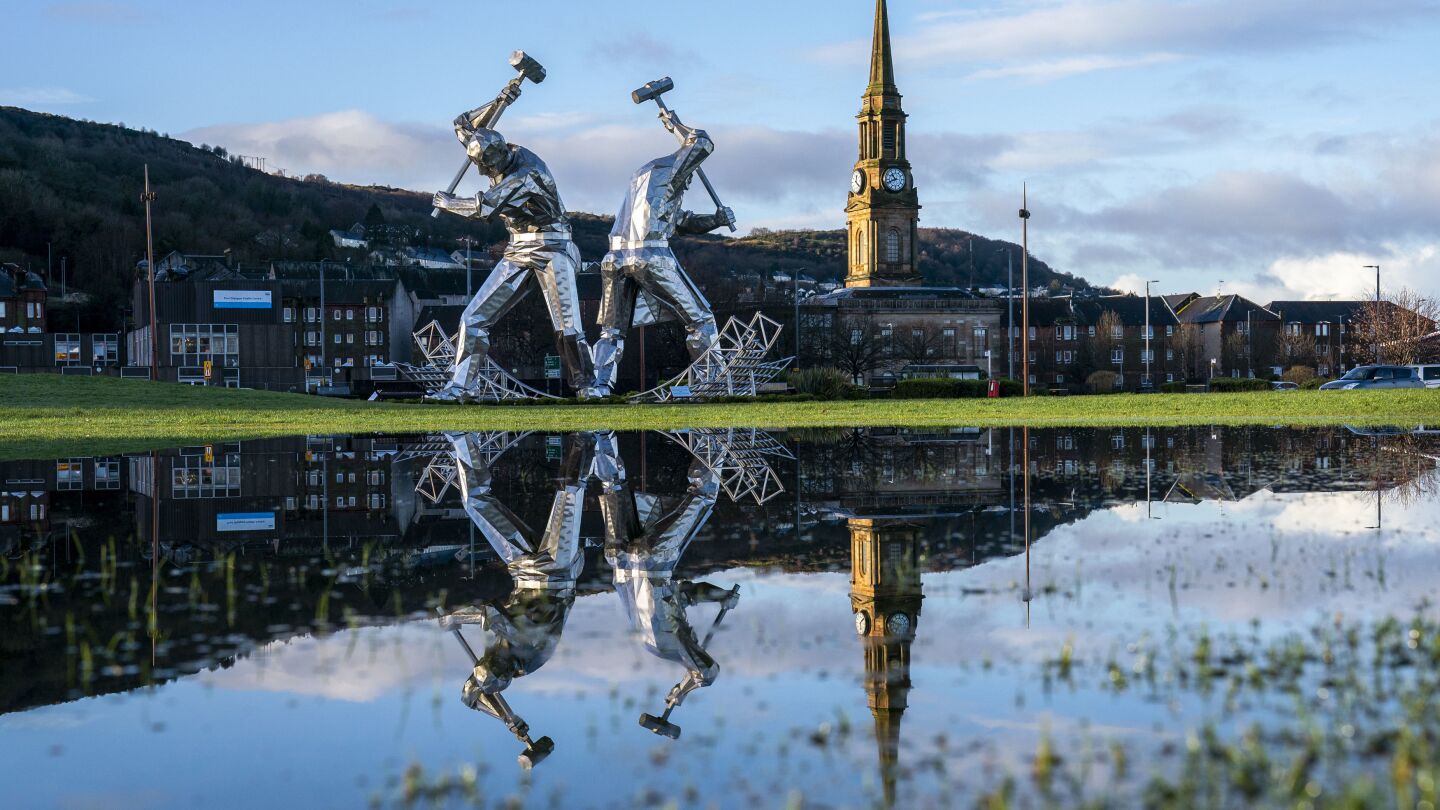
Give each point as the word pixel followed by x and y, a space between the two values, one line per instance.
pixel 46 415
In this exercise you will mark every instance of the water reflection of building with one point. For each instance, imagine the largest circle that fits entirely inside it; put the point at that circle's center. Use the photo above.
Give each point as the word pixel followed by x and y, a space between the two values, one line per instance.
pixel 885 598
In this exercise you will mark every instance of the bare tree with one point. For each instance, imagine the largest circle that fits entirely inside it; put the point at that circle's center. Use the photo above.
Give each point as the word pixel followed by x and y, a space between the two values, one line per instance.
pixel 1296 348
pixel 1398 323
pixel 917 346
pixel 856 349
pixel 1188 351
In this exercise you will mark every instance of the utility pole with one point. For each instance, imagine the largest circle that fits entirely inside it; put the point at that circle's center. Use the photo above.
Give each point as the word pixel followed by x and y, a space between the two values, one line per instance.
pixel 1375 321
pixel 1010 312
pixel 149 197
pixel 1149 381
pixel 1025 283
pixel 468 240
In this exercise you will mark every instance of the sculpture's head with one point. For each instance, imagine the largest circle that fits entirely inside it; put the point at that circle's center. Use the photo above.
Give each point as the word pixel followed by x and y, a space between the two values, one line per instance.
pixel 487 148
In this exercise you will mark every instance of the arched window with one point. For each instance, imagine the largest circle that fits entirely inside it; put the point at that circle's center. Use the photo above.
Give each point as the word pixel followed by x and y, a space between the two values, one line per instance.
pixel 892 246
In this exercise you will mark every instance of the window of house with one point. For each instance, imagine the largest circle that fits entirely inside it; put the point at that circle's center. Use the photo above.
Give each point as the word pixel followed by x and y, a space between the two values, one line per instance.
pixel 67 349
pixel 3 310
pixel 1322 330
pixel 350 338
pixel 1117 441
pixel 1117 332
pixel 339 315
pixel 856 336
pixel 1032 357
pixel 1169 331
pixel 311 315
pixel 1169 354
pixel 289 314
pixel 105 348
pixel 1032 333
pixel 349 314
pixel 1117 356
pixel 1169 378
pixel 32 309
pixel 1092 331
pixel 1059 357
pixel 1060 378
pixel 892 246
pixel 339 339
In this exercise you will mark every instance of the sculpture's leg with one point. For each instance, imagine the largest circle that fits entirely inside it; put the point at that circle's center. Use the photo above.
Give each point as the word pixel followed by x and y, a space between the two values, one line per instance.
pixel 617 311
pixel 504 288
pixel 562 299
pixel 667 281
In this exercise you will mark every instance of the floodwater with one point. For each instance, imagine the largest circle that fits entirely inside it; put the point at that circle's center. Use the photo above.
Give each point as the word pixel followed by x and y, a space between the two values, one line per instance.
pixel 846 618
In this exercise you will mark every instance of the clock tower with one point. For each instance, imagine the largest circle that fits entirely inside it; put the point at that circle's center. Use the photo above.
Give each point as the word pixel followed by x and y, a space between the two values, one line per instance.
pixel 884 209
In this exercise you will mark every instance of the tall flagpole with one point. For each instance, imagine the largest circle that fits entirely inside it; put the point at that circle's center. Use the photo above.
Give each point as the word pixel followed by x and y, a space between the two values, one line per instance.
pixel 149 197
pixel 1025 285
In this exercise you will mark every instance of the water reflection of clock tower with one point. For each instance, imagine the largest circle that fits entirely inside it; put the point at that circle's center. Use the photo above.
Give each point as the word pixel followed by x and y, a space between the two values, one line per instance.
pixel 884 207
pixel 885 599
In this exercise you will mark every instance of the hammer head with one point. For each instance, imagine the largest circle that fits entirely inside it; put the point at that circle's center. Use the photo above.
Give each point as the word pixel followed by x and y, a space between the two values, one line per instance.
pixel 528 67
pixel 653 90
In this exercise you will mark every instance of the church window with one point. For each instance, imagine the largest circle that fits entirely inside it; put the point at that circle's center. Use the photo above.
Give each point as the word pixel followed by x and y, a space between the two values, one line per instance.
pixel 889 144
pixel 892 246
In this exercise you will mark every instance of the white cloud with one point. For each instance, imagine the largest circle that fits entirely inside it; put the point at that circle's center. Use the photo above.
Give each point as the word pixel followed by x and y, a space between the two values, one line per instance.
pixel 41 96
pixel 1062 68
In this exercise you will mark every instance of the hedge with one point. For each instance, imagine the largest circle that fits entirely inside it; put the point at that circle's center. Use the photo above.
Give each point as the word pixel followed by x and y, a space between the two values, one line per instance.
pixel 1233 384
pixel 946 388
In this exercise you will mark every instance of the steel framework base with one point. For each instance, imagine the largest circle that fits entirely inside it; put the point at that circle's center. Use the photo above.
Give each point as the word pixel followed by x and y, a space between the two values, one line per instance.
pixel 734 366
pixel 495 384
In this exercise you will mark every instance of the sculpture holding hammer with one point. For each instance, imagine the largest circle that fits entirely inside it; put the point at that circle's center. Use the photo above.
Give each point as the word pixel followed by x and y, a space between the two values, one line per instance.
pixel 640 261
pixel 541 252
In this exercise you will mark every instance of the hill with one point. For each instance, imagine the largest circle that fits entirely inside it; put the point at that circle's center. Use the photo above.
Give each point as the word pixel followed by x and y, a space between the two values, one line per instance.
pixel 74 186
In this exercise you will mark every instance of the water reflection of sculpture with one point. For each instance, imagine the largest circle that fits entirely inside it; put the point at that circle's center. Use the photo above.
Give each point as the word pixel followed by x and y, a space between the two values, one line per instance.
pixel 645 538
pixel 523 630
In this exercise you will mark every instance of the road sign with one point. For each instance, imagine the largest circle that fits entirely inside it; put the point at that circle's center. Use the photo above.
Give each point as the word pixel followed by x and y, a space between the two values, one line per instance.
pixel 554 448
pixel 209 369
pixel 552 367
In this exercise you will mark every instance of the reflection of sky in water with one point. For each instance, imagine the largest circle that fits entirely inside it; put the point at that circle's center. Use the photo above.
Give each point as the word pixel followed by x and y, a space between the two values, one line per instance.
pixel 325 722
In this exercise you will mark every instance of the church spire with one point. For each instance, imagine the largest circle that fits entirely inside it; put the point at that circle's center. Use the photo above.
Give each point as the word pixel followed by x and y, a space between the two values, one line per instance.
pixel 882 63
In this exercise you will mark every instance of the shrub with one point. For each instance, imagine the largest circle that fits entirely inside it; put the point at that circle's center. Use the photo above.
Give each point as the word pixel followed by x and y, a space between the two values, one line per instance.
pixel 1300 375
pixel 1172 388
pixel 1233 384
pixel 939 388
pixel 825 384
pixel 1314 384
pixel 1101 382
pixel 1012 388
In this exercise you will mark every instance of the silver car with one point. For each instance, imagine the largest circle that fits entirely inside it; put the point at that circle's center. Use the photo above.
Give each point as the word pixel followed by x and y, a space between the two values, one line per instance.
pixel 1364 377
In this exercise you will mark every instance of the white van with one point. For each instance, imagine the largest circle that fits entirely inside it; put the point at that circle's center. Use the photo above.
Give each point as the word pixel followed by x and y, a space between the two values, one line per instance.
pixel 1428 374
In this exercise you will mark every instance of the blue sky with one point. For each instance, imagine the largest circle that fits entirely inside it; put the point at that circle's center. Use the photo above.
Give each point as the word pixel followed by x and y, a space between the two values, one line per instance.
pixel 1272 145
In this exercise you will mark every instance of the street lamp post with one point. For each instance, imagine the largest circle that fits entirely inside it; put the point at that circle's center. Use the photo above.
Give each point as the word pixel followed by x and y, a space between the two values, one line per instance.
pixel 1149 382
pixel 1375 320
pixel 795 285
pixel 323 325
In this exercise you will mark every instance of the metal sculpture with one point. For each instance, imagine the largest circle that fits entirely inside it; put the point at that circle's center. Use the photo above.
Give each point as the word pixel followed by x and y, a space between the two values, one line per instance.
pixel 735 365
pixel 640 262
pixel 523 195
pixel 492 383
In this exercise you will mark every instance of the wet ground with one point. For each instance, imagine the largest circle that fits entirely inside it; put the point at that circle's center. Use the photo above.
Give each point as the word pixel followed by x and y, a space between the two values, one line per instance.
pixel 910 618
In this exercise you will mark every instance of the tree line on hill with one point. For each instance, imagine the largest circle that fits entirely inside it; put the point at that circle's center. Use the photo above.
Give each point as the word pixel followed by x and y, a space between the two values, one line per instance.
pixel 71 190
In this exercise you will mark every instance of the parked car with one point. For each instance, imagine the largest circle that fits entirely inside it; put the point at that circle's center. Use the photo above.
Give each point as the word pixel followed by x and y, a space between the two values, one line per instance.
pixel 1364 377
pixel 1281 385
pixel 1428 374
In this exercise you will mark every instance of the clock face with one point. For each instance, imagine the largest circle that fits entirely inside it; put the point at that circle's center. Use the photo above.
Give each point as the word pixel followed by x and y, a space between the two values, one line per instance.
pixel 862 623
pixel 857 182
pixel 895 179
pixel 898 624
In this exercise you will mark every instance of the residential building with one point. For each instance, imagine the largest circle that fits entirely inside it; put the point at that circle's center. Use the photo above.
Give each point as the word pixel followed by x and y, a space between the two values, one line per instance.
pixel 22 300
pixel 1228 335
pixel 1072 340
pixel 1313 334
